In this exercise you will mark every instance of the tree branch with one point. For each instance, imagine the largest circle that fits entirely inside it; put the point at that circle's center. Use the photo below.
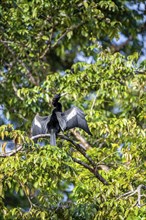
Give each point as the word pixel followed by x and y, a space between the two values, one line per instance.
pixel 64 137
pixel 17 59
pixel 16 91
pixel 13 152
pixel 27 194
pixel 78 136
pixel 66 32
pixel 93 168
pixel 132 192
pixel 94 101
pixel 49 46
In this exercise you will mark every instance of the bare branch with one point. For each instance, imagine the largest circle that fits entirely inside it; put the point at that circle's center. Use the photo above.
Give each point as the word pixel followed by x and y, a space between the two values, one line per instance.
pixel 78 146
pixel 139 194
pixel 78 136
pixel 40 136
pixel 13 152
pixel 82 163
pixel 93 168
pixel 132 192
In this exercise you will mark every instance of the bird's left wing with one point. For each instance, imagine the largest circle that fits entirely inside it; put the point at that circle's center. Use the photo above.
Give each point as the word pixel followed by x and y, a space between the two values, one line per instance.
pixel 39 125
pixel 74 117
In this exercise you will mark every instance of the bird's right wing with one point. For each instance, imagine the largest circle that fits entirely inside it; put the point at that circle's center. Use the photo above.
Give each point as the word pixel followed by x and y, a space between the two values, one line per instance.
pixel 73 117
pixel 39 125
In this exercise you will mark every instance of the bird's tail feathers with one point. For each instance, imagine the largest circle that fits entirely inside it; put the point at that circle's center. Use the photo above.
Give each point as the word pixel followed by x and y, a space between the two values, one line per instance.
pixel 53 138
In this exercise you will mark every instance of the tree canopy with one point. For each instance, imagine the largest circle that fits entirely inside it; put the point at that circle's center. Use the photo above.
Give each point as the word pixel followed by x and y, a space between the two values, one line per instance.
pixel 50 47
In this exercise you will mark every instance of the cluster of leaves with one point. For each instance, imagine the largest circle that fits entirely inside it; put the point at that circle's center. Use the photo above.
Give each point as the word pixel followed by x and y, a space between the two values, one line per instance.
pixel 41 43
pixel 41 175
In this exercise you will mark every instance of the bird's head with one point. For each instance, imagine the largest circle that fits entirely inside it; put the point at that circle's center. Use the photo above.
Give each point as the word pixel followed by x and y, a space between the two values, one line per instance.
pixel 56 98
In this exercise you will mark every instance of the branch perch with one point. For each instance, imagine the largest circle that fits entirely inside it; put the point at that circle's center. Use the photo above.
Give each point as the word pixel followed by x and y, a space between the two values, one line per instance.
pixel 93 167
pixel 13 152
pixel 78 136
pixel 132 192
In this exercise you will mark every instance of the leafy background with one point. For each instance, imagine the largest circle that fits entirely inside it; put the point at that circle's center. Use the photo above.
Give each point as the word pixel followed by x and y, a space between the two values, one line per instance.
pixel 93 51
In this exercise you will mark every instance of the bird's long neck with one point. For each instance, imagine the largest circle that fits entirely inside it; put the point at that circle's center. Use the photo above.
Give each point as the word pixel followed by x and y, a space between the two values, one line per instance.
pixel 58 107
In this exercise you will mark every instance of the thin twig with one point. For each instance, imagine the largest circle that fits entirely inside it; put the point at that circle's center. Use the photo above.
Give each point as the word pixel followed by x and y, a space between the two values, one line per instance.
pixel 132 192
pixel 49 44
pixel 29 200
pixel 139 194
pixel 106 157
pixel 91 112
pixel 66 32
pixel 16 91
pixel 13 152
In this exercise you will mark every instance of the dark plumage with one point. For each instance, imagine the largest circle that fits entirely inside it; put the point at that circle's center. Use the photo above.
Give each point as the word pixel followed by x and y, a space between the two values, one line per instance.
pixel 58 120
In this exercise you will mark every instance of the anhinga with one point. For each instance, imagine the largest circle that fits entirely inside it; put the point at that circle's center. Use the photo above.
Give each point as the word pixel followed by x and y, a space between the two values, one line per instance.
pixel 58 120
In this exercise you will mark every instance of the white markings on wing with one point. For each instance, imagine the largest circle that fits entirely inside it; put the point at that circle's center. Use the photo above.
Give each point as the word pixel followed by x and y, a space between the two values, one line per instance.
pixel 36 122
pixel 71 114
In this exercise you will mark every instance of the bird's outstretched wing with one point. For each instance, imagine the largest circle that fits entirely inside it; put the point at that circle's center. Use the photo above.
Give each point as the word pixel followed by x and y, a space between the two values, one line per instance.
pixel 39 125
pixel 73 117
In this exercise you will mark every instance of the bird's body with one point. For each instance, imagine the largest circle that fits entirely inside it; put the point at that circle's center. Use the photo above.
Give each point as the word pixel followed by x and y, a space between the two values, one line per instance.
pixel 58 120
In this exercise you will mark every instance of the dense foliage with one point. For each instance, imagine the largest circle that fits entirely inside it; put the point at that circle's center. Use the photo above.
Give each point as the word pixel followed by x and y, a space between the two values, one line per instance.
pixel 70 46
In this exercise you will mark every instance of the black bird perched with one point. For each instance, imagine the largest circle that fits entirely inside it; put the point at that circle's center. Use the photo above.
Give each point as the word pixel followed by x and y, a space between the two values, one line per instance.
pixel 58 120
